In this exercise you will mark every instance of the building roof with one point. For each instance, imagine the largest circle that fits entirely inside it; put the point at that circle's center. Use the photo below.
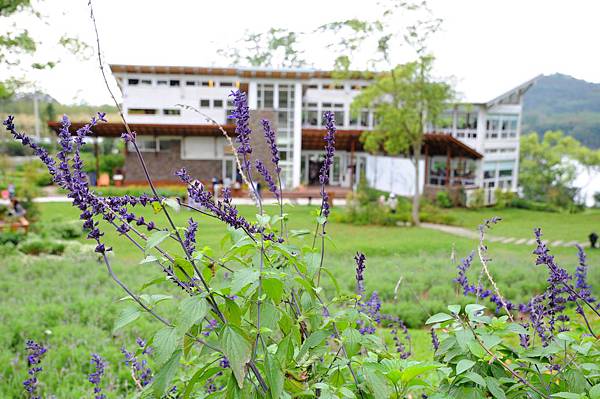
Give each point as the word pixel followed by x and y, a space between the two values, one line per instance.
pixel 243 72
pixel 312 139
pixel 490 101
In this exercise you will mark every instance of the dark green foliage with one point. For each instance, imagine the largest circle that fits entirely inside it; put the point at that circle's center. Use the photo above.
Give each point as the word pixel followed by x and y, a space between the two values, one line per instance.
pixel 443 200
pixel 42 246
pixel 11 237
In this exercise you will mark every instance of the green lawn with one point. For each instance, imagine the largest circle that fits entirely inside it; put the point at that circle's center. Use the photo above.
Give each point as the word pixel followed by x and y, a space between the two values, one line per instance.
pixel 70 304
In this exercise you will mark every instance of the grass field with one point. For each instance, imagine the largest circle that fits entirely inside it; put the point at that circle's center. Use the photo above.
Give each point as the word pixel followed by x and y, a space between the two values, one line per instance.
pixel 70 304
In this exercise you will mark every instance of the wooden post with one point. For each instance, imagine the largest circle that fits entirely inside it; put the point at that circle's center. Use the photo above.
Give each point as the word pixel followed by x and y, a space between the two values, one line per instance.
pixel 426 165
pixel 448 164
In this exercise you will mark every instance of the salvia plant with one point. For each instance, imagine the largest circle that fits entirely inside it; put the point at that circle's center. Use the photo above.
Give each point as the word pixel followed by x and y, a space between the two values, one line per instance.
pixel 256 322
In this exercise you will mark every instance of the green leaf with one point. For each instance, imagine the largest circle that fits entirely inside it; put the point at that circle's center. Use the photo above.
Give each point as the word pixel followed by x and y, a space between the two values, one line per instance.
pixel 454 309
pixel 464 365
pixel 315 339
pixel 595 392
pixel 377 383
pixel 566 395
pixel 165 374
pixel 186 266
pixel 274 375
pixel 148 259
pixel 412 371
pixel 171 203
pixel 313 261
pixel 473 308
pixel 476 378
pixel 438 318
pixel 165 343
pixel 156 238
pixel 274 289
pixel 495 388
pixel 242 278
pixel 237 349
pixel 128 315
pixel 517 328
pixel 191 310
pixel 352 338
pixel 263 220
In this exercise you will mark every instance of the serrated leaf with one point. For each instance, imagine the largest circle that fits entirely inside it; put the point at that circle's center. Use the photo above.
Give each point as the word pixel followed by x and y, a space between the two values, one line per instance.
pixel 464 365
pixel 156 238
pixel 242 278
pixel 165 343
pixel 191 310
pixel 438 318
pixel 412 371
pixel 237 349
pixel 183 267
pixel 595 392
pixel 127 315
pixel 312 341
pixel 377 383
pixel 165 374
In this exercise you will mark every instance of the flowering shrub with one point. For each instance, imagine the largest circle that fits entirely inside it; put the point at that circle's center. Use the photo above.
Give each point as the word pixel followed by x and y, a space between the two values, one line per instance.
pixel 256 322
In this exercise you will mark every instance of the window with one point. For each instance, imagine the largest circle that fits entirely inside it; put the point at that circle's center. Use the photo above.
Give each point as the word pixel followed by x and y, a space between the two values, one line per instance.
pixel 161 82
pixel 204 103
pixel 172 112
pixel 339 86
pixel 146 82
pixel 133 82
pixel 364 118
pixel 283 99
pixel 356 87
pixel 145 144
pixel 492 126
pixel 168 144
pixel 315 86
pixel 141 111
pixel 206 83
pixel 505 172
pixel 489 174
pixel 190 83
pixel 264 94
pixel 338 112
pixel 226 84
pixel 466 120
pixel 218 103
pixel 311 114
pixel 174 82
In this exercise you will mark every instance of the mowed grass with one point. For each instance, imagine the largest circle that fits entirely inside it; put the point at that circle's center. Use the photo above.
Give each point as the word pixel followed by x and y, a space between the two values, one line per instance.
pixel 70 303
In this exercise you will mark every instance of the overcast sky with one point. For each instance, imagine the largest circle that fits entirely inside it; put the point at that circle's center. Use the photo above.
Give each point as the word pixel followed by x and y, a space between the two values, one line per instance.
pixel 486 46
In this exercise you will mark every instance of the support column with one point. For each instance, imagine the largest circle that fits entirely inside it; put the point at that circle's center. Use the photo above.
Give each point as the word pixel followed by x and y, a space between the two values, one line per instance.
pixel 297 142
pixel 426 174
pixel 448 165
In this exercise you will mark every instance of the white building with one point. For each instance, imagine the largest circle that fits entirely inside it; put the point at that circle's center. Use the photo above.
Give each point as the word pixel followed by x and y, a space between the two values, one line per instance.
pixel 297 99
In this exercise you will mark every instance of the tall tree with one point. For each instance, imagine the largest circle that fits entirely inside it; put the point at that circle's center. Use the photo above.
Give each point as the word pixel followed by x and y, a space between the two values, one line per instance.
pixel 547 167
pixel 404 100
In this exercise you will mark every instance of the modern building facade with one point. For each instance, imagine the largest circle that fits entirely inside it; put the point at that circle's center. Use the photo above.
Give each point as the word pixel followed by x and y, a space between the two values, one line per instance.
pixel 173 110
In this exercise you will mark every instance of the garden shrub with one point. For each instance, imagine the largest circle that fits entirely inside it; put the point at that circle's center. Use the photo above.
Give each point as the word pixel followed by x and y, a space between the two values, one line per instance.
pixel 256 322
pixel 38 246
pixel 522 203
pixel 443 200
pixel 63 230
pixel 11 237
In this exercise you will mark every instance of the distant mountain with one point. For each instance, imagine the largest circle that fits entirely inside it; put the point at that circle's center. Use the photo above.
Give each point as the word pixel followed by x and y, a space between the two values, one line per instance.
pixel 561 102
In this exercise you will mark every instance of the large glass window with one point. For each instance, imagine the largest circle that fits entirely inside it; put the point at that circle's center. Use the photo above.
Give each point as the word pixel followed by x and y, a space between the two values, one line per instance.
pixel 310 116
pixel 142 111
pixel 265 95
pixel 466 120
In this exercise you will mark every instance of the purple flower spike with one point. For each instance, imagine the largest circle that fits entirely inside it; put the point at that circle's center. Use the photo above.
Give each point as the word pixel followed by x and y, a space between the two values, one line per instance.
pixel 95 377
pixel 262 169
pixel 34 358
pixel 241 114
pixel 190 236
pixel 360 259
pixel 327 162
pixel 271 141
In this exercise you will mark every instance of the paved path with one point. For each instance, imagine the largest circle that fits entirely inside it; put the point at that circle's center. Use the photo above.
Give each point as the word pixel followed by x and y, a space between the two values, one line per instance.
pixel 473 234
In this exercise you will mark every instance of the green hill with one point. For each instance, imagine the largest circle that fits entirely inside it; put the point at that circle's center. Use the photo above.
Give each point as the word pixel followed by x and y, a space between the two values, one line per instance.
pixel 561 102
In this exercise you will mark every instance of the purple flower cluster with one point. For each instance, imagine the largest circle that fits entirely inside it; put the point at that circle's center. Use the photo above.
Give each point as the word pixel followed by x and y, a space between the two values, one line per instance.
pixel 397 327
pixel 271 141
pixel 189 236
pixel 262 169
pixel 327 162
pixel 360 260
pixel 140 370
pixel 35 352
pixel 222 210
pixel 581 283
pixel 241 114
pixel 210 327
pixel 435 342
pixel 95 376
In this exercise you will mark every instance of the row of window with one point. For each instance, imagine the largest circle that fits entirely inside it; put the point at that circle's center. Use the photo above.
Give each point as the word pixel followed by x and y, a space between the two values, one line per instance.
pixel 336 86
pixel 154 111
pixel 500 150
pixel 178 82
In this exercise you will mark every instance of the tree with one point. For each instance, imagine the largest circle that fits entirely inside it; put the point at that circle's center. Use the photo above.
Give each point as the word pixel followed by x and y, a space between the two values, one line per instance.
pixel 405 100
pixel 548 166
pixel 17 45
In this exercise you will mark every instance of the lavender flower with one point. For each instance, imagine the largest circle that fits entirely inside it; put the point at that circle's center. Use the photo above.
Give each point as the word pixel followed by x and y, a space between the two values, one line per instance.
pixel 581 277
pixel 139 369
pixel 34 358
pixel 241 114
pixel 224 363
pixel 262 169
pixel 271 141
pixel 360 259
pixel 327 162
pixel 190 236
pixel 435 342
pixel 95 377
